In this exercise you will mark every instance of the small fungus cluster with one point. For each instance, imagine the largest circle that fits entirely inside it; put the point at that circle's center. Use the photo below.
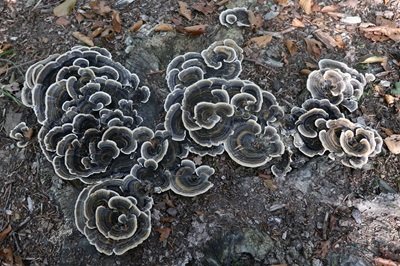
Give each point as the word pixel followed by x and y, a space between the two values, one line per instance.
pixel 238 16
pixel 322 127
pixel 88 107
pixel 209 110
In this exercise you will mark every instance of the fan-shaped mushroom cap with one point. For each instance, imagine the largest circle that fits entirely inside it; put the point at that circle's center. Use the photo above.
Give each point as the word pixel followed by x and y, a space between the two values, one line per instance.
pixel 251 147
pixel 282 167
pixel 173 123
pixel 309 121
pixel 351 143
pixel 123 138
pixel 147 171
pixel 114 215
pixel 222 52
pixel 338 83
pixel 22 134
pixel 190 181
pixel 237 15
pixel 156 148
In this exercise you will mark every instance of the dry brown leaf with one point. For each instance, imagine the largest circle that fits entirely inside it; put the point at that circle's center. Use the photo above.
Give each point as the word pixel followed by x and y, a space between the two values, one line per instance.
pixel 64 9
pixel 260 41
pixel 393 143
pixel 297 23
pixel 282 2
pixel 63 21
pixel 325 38
pixel 313 47
pixel 389 99
pixel 256 21
pixel 163 27
pixel 107 33
pixel 101 8
pixel 381 33
pixel 5 232
pixel 291 46
pixel 116 22
pixel 136 26
pixel 79 17
pixel 196 29
pixel 305 72
pixel 339 42
pixel 96 32
pixel 222 2
pixel 6 256
pixel 83 38
pixel 4 47
pixel 331 8
pixel 374 59
pixel 204 7
pixel 164 233
pixel 184 10
pixel 306 5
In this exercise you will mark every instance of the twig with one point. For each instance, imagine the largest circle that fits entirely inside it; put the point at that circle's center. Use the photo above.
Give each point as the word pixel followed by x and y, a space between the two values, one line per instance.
pixel 256 63
pixel 22 224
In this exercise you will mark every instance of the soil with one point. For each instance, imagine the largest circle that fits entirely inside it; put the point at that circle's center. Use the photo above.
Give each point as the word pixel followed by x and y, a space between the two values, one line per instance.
pixel 321 213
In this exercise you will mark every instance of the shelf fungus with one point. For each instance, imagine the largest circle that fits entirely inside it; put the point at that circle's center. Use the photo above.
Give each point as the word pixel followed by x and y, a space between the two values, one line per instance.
pixel 309 121
pixel 351 144
pixel 87 106
pixel 340 84
pixel 236 16
pixel 114 215
pixel 22 133
pixel 222 59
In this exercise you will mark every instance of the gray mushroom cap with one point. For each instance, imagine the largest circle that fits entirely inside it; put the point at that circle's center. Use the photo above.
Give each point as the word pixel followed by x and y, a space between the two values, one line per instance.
pixel 22 134
pixel 190 181
pixel 114 215
pixel 251 147
pixel 222 52
pixel 237 15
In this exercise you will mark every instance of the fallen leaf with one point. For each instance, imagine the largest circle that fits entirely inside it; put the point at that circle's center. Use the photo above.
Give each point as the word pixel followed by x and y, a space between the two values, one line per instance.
pixel 393 143
pixel 28 134
pixel 136 26
pixel 282 2
pixel 306 5
pixel 256 21
pixel 389 99
pixel 64 9
pixel 101 8
pixel 96 32
pixel 260 41
pixel 313 47
pixel 184 10
pixel 163 27
pixel 79 17
pixel 63 21
pixel 164 233
pixel 297 23
pixel 116 22
pixel 83 38
pixel 107 33
pixel 5 232
pixel 339 42
pixel 196 29
pixel 4 47
pixel 374 59
pixel 387 131
pixel 305 71
pixel 6 256
pixel 331 8
pixel 323 249
pixel 326 39
pixel 3 69
pixel 381 31
pixel 204 7
pixel 291 46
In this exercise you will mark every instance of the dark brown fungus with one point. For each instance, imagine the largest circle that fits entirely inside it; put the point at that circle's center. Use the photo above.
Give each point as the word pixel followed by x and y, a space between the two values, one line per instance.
pixel 237 15
pixel 250 146
pixel 190 181
pixel 114 215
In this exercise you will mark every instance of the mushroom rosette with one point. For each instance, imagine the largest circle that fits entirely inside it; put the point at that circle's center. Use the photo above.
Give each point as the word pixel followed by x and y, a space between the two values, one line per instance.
pixel 237 15
pixel 222 59
pixel 87 105
pixel 351 144
pixel 308 121
pixel 335 81
pixel 114 215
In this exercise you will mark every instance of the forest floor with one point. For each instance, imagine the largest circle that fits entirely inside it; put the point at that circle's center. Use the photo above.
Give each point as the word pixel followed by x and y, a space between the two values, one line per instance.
pixel 322 213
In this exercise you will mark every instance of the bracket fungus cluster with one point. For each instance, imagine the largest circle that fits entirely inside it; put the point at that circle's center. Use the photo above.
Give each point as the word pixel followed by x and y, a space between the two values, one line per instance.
pixel 210 110
pixel 88 107
pixel 322 127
